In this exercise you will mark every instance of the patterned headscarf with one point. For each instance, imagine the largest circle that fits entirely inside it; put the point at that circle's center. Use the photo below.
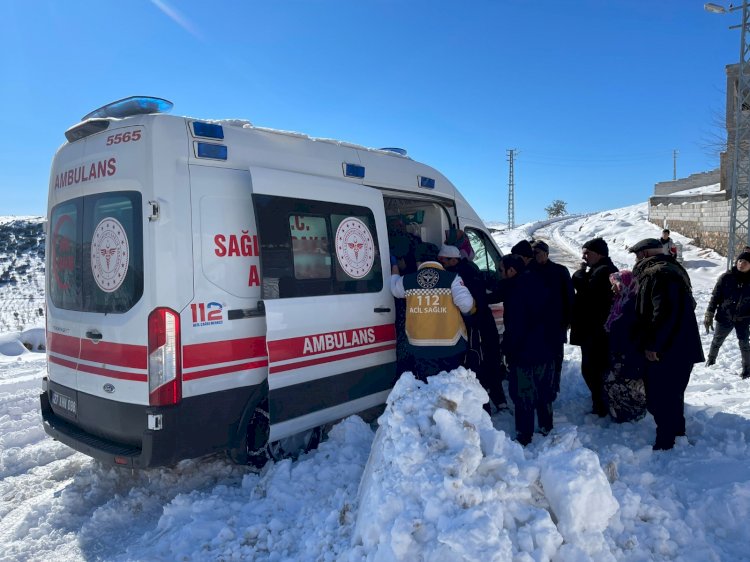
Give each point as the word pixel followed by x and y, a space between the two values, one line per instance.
pixel 625 286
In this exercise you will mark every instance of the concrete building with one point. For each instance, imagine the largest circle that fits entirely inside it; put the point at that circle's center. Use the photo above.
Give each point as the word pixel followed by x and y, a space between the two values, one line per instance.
pixel 704 217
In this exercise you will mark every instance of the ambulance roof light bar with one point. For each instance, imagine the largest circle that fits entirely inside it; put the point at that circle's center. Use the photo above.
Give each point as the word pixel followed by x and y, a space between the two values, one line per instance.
pixel 134 105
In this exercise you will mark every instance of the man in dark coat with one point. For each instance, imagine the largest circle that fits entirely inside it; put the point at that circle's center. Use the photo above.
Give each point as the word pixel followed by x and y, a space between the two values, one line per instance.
pixel 529 344
pixel 591 306
pixel 481 325
pixel 730 303
pixel 557 278
pixel 667 335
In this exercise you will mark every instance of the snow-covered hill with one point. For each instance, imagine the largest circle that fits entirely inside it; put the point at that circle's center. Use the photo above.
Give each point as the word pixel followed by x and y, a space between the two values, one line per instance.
pixel 21 272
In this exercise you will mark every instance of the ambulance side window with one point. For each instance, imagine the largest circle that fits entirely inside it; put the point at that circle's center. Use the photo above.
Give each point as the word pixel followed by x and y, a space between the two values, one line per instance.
pixel 314 248
pixel 486 255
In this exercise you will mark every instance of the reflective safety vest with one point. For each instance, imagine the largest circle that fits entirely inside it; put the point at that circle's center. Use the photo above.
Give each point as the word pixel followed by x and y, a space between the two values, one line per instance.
pixel 432 318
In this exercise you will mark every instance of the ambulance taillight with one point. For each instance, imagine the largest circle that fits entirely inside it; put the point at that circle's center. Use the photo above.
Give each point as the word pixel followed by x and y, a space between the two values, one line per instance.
pixel 164 358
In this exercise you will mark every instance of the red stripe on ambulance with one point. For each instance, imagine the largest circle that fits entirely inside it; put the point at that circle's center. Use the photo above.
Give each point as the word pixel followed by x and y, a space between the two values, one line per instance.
pixel 64 345
pixel 305 346
pixel 211 353
pixel 338 357
pixel 120 354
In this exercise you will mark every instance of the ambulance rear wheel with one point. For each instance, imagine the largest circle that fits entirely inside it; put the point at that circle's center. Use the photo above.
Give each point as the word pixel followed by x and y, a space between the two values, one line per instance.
pixel 258 431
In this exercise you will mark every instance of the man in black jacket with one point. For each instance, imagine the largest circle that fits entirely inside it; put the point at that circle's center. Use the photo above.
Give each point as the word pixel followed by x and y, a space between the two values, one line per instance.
pixel 529 344
pixel 557 278
pixel 591 306
pixel 668 337
pixel 730 303
pixel 481 326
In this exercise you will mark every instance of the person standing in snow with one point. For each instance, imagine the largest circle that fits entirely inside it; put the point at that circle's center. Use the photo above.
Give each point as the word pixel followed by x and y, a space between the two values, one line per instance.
pixel 481 325
pixel 668 244
pixel 730 304
pixel 591 306
pixel 557 278
pixel 435 300
pixel 529 344
pixel 624 391
pixel 667 336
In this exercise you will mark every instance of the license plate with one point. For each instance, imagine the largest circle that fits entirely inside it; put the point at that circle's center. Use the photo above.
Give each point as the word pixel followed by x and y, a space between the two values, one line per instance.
pixel 64 402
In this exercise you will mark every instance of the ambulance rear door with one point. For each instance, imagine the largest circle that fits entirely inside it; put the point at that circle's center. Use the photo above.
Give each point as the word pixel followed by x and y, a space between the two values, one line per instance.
pixel 324 284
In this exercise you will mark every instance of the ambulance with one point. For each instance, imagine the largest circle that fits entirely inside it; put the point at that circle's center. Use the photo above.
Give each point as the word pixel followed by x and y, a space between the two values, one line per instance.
pixel 216 286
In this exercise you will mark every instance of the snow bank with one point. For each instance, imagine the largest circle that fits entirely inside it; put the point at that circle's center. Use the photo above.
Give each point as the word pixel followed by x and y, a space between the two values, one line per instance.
pixel 443 484
pixel 13 344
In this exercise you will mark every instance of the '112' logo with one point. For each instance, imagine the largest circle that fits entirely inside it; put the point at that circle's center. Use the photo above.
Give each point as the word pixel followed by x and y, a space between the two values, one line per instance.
pixel 209 314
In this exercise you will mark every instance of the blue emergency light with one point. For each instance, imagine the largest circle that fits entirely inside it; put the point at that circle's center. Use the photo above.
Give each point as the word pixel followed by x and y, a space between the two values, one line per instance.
pixel 215 151
pixel 134 105
pixel 427 183
pixel 354 170
pixel 208 130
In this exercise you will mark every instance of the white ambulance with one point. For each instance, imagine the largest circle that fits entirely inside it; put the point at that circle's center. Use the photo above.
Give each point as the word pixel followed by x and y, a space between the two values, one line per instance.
pixel 213 286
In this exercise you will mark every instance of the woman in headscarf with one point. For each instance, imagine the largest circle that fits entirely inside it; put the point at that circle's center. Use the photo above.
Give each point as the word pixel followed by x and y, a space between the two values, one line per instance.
pixel 624 391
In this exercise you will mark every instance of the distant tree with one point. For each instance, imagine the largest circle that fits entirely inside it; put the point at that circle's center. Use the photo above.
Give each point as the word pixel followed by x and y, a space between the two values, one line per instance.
pixel 557 208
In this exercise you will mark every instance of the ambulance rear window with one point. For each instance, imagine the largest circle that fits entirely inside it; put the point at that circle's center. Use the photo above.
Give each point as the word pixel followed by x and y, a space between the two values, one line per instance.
pixel 96 257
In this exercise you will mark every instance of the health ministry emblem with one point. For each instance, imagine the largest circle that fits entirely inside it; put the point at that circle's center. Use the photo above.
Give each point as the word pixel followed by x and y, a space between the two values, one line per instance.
pixel 110 254
pixel 355 248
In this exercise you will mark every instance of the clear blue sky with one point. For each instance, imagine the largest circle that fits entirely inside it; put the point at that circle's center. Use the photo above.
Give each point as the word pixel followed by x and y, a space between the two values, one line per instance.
pixel 595 95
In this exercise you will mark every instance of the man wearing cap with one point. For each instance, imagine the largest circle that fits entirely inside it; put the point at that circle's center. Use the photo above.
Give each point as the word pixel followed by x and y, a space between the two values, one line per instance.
pixel 730 303
pixel 435 300
pixel 667 334
pixel 481 325
pixel 523 249
pixel 591 306
pixel 557 278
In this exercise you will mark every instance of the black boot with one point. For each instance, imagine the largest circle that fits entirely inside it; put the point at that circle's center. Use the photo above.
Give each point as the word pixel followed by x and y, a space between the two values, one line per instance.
pixel 713 352
pixel 745 374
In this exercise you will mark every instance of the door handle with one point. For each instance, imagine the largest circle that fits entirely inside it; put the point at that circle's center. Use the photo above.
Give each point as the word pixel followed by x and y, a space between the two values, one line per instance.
pixel 382 309
pixel 95 335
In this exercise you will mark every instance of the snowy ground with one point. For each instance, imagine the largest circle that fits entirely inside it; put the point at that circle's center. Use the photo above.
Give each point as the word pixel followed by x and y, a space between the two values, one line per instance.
pixel 444 481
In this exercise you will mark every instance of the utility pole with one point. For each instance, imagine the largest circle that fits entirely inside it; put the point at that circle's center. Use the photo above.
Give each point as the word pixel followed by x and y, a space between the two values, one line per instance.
pixel 739 234
pixel 738 229
pixel 511 189
pixel 674 164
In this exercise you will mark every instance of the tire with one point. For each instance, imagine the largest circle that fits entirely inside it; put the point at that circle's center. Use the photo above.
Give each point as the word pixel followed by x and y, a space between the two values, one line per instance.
pixel 296 445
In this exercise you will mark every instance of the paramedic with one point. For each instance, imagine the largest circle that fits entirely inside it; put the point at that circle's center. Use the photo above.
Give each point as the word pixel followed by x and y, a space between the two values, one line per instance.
pixel 435 300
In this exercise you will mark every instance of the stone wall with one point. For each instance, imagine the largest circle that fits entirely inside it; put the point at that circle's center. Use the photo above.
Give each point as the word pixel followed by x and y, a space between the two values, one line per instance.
pixel 704 218
pixel 691 182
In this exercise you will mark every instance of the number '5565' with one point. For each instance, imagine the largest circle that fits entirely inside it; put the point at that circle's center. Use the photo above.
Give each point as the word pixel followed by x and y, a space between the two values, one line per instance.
pixel 124 137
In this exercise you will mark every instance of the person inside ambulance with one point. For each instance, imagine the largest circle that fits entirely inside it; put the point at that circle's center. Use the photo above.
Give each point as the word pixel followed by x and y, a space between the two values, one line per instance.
pixel 435 301
pixel 403 247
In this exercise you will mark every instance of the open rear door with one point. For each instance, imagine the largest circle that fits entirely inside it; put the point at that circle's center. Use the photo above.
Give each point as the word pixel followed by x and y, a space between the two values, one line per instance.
pixel 329 311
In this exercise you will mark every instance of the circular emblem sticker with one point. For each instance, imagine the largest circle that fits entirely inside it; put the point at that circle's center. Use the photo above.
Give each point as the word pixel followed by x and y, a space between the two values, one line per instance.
pixel 110 254
pixel 355 249
pixel 427 278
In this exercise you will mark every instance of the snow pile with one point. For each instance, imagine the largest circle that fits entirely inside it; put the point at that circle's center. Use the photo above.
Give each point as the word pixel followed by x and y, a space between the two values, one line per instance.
pixel 253 520
pixel 443 484
pixel 13 344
